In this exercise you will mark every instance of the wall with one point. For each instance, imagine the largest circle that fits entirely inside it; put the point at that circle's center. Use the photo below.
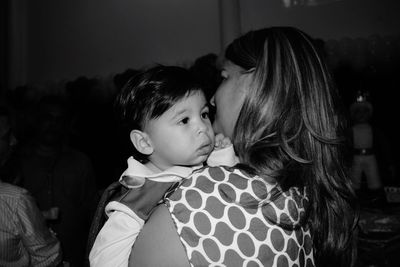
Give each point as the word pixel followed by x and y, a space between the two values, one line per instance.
pixel 67 39
pixel 345 18
pixel 99 37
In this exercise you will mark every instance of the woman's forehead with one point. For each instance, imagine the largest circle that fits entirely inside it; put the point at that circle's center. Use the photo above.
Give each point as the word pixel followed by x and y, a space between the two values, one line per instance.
pixel 227 64
pixel 231 67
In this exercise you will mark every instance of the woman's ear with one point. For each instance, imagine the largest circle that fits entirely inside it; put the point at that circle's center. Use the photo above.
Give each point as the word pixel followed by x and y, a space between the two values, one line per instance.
pixel 142 142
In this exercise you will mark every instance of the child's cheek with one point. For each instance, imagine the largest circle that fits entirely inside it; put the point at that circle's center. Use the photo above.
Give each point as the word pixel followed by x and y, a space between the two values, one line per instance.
pixel 213 139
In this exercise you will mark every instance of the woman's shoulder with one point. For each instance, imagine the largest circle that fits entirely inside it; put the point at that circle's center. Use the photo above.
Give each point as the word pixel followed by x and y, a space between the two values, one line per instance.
pixel 228 180
pixel 233 185
pixel 227 175
pixel 12 191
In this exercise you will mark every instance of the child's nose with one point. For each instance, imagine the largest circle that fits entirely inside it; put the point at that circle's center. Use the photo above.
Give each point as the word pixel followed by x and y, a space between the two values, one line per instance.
pixel 202 127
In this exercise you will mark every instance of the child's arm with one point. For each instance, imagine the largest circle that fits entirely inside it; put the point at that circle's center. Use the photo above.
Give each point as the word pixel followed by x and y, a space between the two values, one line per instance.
pixel 114 242
pixel 223 153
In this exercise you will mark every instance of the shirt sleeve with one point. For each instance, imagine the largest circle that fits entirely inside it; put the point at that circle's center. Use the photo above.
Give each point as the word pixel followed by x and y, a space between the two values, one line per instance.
pixel 114 242
pixel 223 157
pixel 41 244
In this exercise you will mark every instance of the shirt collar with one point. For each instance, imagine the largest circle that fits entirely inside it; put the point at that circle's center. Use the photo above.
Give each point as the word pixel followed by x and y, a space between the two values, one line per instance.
pixel 136 173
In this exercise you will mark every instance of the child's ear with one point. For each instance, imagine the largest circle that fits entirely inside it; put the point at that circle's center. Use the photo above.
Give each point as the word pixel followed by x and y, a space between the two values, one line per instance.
pixel 142 142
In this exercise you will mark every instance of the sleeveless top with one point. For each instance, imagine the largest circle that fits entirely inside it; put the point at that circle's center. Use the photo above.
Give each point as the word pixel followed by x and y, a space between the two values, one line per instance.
pixel 224 217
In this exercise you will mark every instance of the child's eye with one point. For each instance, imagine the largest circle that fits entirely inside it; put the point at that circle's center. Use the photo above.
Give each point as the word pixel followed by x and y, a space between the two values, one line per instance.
pixel 205 115
pixel 184 121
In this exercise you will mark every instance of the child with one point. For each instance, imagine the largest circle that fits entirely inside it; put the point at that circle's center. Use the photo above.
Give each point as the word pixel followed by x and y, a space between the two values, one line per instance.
pixel 167 115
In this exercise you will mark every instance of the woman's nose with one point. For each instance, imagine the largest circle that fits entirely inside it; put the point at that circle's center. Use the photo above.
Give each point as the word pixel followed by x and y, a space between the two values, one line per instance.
pixel 212 101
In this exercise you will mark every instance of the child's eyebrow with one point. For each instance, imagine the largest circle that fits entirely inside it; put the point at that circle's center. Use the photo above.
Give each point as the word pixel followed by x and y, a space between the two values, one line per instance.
pixel 179 113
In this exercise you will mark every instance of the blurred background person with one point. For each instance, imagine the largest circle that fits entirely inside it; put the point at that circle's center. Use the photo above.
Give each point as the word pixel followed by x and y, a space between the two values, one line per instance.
pixel 60 177
pixel 25 240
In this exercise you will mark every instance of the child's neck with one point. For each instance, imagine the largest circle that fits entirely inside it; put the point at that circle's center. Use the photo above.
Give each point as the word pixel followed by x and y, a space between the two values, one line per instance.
pixel 155 168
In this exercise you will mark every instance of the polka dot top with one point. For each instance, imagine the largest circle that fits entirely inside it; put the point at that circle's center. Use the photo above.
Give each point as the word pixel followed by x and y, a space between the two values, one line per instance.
pixel 226 218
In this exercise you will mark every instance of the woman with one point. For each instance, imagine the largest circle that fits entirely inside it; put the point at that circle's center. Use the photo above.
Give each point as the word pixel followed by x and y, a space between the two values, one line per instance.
pixel 289 201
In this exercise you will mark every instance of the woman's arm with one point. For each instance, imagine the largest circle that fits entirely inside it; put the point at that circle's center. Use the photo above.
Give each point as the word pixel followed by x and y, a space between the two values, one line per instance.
pixel 158 244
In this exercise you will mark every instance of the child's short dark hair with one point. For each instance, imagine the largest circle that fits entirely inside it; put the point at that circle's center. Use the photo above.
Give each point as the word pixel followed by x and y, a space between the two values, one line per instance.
pixel 148 94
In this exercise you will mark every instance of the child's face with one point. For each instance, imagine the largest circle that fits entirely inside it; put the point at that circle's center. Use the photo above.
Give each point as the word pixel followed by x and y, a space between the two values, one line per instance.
pixel 183 135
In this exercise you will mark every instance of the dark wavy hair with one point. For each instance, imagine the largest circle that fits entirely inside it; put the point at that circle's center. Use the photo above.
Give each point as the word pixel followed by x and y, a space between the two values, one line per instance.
pixel 290 128
pixel 150 93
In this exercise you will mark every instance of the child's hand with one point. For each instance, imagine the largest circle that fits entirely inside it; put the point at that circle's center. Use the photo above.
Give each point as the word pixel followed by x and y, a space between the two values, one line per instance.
pixel 221 142
pixel 223 153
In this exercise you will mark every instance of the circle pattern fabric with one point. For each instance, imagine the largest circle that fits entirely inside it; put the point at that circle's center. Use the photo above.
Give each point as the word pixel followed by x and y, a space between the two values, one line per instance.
pixel 227 218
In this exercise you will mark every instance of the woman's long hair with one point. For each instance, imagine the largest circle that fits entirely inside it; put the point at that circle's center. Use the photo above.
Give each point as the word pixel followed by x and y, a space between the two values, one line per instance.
pixel 290 129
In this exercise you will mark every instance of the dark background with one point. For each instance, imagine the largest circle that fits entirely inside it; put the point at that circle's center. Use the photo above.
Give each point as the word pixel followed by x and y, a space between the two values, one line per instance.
pixel 81 49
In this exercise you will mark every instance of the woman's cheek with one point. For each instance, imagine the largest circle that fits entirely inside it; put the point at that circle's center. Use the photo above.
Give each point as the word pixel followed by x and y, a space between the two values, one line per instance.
pixel 224 125
pixel 216 126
